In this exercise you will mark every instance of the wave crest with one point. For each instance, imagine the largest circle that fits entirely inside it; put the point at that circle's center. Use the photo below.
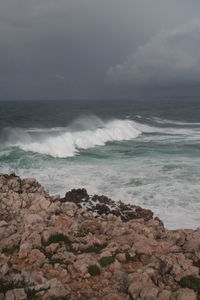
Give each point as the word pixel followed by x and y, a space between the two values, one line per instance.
pixel 66 142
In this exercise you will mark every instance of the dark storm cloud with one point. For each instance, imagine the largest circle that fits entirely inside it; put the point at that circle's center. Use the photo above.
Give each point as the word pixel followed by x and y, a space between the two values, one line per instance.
pixel 170 58
pixel 92 48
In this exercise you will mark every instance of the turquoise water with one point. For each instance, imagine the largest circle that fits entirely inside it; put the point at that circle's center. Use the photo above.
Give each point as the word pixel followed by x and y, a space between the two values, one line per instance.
pixel 143 152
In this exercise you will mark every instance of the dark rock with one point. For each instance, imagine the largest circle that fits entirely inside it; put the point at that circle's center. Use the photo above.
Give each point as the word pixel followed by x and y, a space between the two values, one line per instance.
pixel 76 196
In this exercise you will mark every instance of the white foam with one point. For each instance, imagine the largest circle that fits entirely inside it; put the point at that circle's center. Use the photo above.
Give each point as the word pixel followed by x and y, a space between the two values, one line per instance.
pixel 168 184
pixel 180 132
pixel 174 122
pixel 66 142
pixel 45 130
pixel 88 132
pixel 170 195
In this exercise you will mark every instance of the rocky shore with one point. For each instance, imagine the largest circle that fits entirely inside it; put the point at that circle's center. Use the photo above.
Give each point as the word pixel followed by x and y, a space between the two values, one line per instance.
pixel 90 247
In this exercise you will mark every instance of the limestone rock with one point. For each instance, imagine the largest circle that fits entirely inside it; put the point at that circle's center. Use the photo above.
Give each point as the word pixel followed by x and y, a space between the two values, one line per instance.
pixel 89 247
pixel 184 294
pixel 16 294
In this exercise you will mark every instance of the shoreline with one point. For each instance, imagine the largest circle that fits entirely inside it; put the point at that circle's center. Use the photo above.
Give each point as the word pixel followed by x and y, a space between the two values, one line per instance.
pixel 90 247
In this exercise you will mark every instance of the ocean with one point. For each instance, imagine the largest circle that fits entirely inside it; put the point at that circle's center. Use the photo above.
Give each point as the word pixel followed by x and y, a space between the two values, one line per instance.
pixel 144 152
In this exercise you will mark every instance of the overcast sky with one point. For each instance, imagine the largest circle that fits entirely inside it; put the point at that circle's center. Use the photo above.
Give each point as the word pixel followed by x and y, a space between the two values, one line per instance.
pixel 52 49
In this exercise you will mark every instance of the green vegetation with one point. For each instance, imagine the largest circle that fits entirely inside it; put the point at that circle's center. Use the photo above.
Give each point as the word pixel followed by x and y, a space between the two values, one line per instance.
pixel 58 237
pixel 96 248
pixel 94 270
pixel 105 261
pixel 49 257
pixel 191 283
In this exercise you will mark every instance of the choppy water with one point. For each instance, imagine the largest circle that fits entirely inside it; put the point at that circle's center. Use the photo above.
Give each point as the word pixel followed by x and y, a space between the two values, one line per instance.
pixel 143 152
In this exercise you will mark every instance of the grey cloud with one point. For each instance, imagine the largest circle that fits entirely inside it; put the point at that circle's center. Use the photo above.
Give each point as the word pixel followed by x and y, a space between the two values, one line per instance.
pixel 170 58
pixel 63 48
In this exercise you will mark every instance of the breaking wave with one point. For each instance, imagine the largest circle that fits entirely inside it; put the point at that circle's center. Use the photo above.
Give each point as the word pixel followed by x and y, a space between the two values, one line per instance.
pixel 88 132
pixel 66 142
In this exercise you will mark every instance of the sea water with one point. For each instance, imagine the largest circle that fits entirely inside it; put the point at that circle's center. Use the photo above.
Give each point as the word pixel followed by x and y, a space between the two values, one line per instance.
pixel 145 152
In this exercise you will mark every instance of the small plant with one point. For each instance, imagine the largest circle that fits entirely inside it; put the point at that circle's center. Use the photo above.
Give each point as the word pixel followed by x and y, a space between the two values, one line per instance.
pixel 105 261
pixel 96 248
pixel 191 283
pixel 59 237
pixel 94 270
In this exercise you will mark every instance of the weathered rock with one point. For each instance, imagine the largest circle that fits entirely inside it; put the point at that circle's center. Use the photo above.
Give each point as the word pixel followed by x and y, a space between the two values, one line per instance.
pixel 141 284
pixel 121 257
pixel 178 266
pixel 192 243
pixel 148 293
pixel 115 296
pixel 16 294
pixel 164 295
pixel 89 247
pixel 104 205
pixel 184 294
pixel 76 196
pixel 9 295
pixel 56 290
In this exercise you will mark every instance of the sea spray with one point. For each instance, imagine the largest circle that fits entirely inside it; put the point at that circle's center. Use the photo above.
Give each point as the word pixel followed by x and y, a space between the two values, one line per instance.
pixel 66 143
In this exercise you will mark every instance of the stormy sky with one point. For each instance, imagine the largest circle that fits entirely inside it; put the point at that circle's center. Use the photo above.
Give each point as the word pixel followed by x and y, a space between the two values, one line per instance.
pixel 67 49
